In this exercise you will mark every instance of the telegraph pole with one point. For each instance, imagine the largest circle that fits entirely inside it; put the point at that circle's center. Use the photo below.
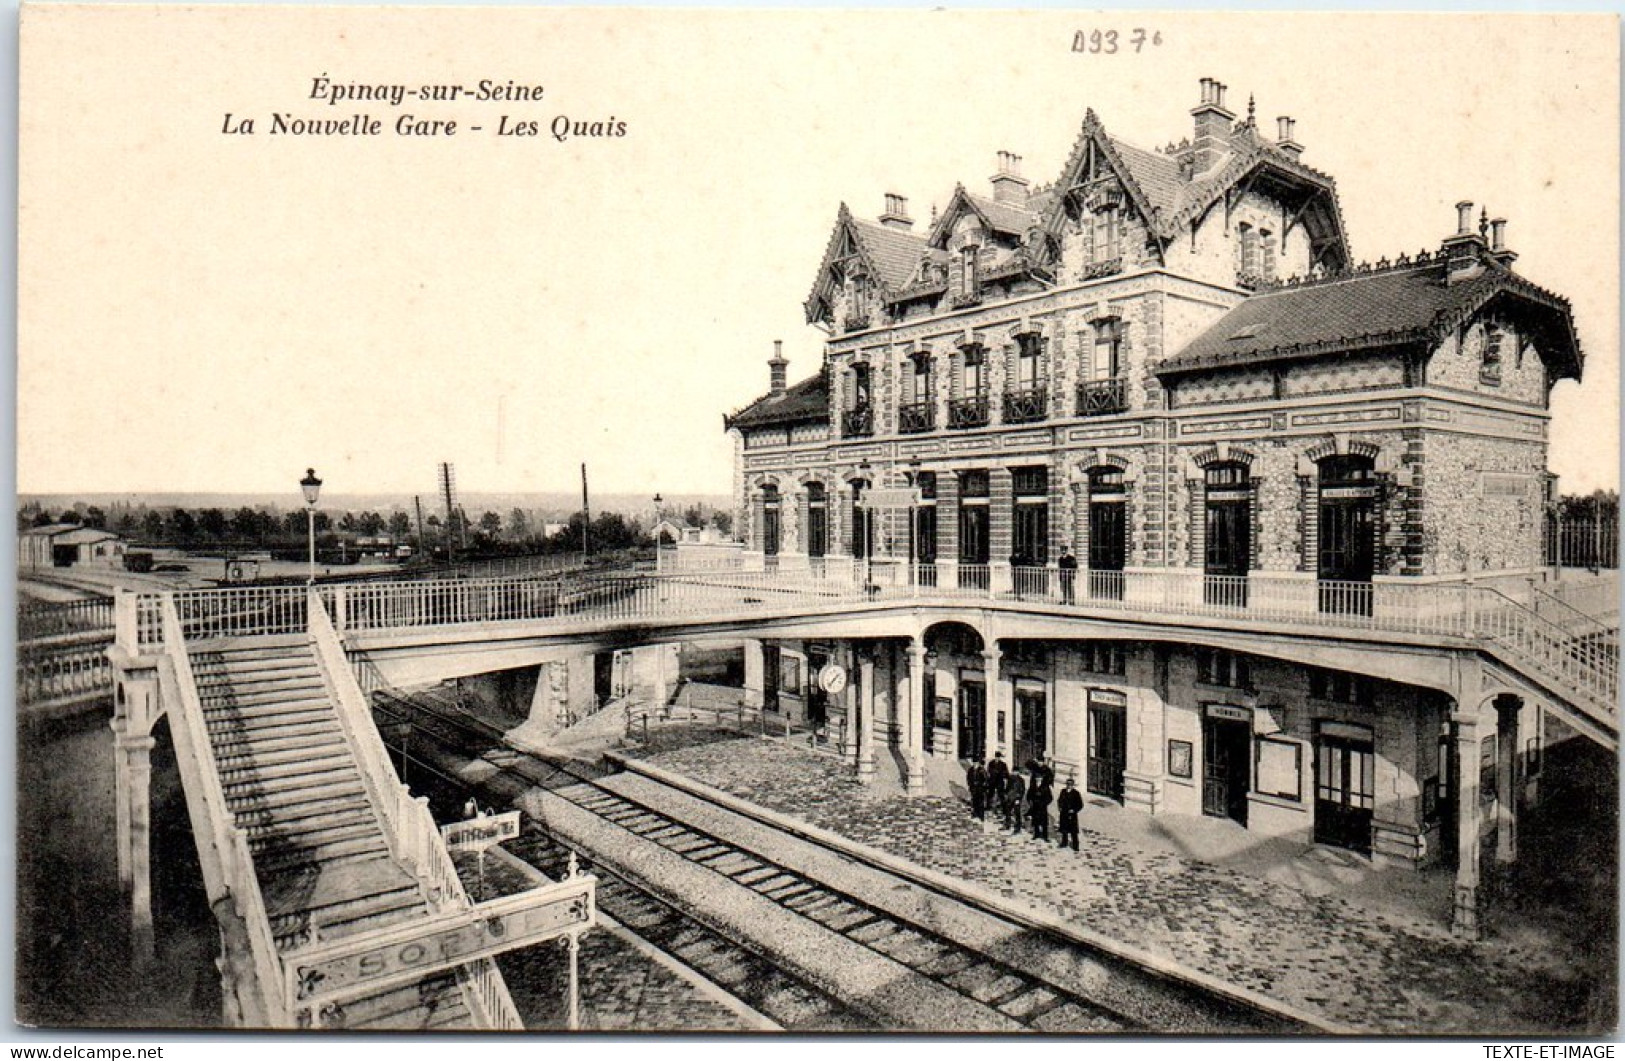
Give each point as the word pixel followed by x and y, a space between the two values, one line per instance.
pixel 586 516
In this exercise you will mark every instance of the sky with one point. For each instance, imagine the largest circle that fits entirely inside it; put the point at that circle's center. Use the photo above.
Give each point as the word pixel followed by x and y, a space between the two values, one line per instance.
pixel 206 311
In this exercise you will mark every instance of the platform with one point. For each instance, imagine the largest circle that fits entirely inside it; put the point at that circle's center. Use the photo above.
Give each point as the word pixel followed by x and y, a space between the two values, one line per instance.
pixel 1312 927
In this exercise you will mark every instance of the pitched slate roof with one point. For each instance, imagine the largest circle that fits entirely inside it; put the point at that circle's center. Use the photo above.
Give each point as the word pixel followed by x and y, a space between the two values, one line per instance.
pixel 894 252
pixel 1375 307
pixel 891 255
pixel 804 402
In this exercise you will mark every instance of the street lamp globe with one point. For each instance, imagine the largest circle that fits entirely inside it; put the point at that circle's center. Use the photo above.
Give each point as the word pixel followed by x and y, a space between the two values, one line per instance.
pixel 312 488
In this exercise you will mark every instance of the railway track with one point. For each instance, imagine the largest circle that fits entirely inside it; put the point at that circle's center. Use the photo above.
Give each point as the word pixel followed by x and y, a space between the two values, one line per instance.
pixel 734 967
pixel 1134 1000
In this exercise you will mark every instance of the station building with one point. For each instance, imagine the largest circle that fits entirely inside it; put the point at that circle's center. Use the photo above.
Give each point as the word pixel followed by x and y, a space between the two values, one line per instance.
pixel 1166 366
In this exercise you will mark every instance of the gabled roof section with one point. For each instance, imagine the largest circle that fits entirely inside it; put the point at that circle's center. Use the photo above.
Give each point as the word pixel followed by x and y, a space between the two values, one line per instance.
pixel 1386 305
pixel 1008 218
pixel 1169 200
pixel 805 402
pixel 889 255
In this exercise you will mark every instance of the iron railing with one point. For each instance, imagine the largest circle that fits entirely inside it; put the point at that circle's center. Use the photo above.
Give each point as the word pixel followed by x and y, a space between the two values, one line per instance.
pixel 1102 397
pixel 916 417
pixel 971 411
pixel 856 423
pixel 1025 406
pixel 40 619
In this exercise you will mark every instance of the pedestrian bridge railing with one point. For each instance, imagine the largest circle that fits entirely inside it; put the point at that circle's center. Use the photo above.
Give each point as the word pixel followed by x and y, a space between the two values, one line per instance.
pixel 1585 662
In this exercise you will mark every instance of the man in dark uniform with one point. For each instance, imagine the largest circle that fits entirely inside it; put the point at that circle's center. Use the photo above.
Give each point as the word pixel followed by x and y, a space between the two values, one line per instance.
pixel 1039 797
pixel 976 781
pixel 997 775
pixel 1068 565
pixel 1070 803
pixel 1015 795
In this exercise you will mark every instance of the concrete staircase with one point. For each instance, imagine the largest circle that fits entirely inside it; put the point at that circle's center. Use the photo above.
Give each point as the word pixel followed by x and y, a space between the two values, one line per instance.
pixel 320 854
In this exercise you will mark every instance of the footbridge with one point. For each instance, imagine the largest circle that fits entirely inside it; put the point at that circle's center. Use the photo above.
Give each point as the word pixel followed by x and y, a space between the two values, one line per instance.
pixel 337 901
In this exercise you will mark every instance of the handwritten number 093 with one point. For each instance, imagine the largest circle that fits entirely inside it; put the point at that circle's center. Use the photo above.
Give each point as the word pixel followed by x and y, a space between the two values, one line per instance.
pixel 1105 42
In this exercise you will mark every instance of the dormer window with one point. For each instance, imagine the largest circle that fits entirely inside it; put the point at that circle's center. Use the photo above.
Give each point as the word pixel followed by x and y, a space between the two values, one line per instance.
pixel 970 280
pixel 1250 258
pixel 1104 231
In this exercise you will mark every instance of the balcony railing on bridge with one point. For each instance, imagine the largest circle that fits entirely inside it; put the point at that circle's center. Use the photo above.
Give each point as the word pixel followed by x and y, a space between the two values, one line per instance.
pixel 858 422
pixel 1578 656
pixel 1025 406
pixel 916 417
pixel 968 412
pixel 1102 397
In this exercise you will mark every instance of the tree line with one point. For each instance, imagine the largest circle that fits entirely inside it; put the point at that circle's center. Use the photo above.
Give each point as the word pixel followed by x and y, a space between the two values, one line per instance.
pixel 522 532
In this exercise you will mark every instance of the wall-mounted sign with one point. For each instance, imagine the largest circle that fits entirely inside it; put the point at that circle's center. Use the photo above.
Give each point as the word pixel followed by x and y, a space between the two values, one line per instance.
pixel 477 834
pixel 1179 758
pixel 1230 713
pixel 832 678
pixel 894 497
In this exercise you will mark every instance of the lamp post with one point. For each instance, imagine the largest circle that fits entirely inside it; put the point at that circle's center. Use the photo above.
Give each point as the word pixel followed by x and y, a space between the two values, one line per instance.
pixel 867 517
pixel 913 518
pixel 312 487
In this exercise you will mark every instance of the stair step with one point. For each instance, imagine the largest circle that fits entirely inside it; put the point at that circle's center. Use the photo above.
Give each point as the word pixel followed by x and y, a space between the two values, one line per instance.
pixel 236 664
pixel 298 815
pixel 297 792
pixel 276 749
pixel 249 681
pixel 370 844
pixel 262 692
pixel 294 830
pixel 226 727
pixel 256 645
pixel 340 916
pixel 255 713
pixel 296 763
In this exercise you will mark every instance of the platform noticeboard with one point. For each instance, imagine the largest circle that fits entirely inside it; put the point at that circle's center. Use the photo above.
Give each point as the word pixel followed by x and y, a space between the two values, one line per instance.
pixel 477 834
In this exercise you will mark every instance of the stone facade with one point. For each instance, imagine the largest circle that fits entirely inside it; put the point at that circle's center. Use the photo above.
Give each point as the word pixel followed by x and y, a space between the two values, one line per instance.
pixel 1129 330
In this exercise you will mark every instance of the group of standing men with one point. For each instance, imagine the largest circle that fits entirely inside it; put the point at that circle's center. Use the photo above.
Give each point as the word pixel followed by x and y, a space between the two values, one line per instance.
pixel 1026 792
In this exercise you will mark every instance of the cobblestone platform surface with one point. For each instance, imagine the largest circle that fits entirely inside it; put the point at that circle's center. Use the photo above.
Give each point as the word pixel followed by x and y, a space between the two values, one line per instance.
pixel 1362 966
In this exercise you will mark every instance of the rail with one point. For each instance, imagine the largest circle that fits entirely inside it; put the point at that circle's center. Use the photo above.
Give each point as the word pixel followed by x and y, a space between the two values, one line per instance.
pixel 1581 664
pixel 1445 609
pixel 213 824
pixel 483 982
pixel 56 618
pixel 65 670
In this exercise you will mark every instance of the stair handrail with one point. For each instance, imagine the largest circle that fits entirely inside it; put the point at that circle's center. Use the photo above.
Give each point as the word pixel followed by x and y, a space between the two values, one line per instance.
pixel 408 826
pixel 1597 680
pixel 483 985
pixel 195 756
pixel 1540 598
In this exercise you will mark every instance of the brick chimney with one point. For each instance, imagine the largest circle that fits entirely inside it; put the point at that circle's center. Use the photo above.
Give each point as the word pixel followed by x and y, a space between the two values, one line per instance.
pixel 1464 251
pixel 1009 186
pixel 775 370
pixel 1284 140
pixel 896 215
pixel 1498 243
pixel 1212 126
